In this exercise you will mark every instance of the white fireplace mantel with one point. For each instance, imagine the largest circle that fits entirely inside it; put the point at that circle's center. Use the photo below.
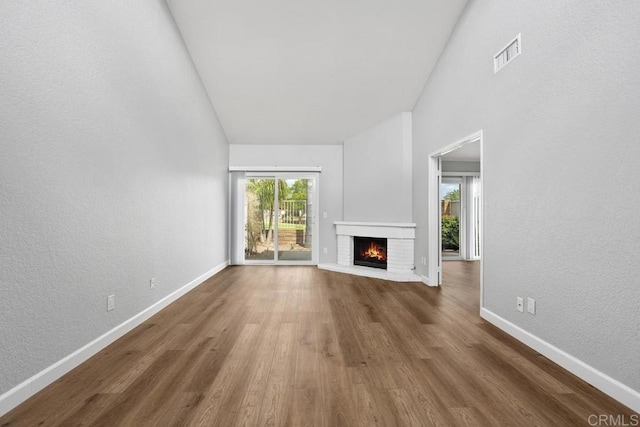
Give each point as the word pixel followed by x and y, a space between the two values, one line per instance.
pixel 400 242
pixel 388 230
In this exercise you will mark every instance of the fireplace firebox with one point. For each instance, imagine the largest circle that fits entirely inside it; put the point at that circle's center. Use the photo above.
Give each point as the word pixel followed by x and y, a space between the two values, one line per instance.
pixel 370 252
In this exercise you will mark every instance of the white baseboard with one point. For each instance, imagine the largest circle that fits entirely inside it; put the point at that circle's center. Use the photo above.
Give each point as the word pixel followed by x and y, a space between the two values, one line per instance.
pixel 426 281
pixel 614 388
pixel 31 386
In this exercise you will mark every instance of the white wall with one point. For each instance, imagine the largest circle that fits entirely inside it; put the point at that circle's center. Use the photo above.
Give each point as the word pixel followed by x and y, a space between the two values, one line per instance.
pixel 459 166
pixel 561 155
pixel 112 170
pixel 328 157
pixel 377 173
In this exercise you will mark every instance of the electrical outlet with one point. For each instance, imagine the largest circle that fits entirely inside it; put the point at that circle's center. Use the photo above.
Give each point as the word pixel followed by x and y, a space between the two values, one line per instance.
pixel 111 302
pixel 325 250
pixel 531 305
pixel 152 283
pixel 520 304
pixel 324 215
pixel 424 260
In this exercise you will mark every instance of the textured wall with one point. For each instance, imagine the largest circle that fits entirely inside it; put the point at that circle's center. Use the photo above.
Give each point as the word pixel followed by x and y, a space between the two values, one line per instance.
pixel 329 157
pixel 112 170
pixel 377 172
pixel 561 157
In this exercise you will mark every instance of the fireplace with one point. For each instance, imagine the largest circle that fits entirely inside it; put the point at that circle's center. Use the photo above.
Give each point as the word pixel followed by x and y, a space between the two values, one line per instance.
pixel 400 239
pixel 370 252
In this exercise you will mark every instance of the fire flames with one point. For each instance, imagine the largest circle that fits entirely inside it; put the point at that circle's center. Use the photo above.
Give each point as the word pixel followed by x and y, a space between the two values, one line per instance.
pixel 375 252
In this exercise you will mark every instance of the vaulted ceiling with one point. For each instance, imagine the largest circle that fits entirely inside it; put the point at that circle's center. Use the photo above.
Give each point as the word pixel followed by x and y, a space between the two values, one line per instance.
pixel 312 72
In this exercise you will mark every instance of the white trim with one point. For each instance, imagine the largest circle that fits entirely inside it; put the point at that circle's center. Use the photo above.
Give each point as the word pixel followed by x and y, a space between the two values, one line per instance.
pixel 237 217
pixel 378 224
pixel 315 224
pixel 482 211
pixel 465 160
pixel 275 169
pixel 460 173
pixel 373 229
pixel 614 388
pixel 433 207
pixel 455 145
pixel 31 386
pixel 426 281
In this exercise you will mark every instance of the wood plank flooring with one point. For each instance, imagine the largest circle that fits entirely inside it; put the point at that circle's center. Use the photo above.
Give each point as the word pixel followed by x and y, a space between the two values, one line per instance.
pixel 264 345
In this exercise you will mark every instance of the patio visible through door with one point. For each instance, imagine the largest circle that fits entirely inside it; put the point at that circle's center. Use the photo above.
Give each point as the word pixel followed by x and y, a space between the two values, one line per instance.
pixel 450 207
pixel 279 213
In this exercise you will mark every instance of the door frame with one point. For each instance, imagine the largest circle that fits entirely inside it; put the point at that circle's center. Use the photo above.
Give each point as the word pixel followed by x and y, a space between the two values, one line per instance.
pixel 315 209
pixel 434 210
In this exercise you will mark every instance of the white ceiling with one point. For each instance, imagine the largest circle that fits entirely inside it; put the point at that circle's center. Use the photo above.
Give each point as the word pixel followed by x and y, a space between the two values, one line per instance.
pixel 467 153
pixel 312 72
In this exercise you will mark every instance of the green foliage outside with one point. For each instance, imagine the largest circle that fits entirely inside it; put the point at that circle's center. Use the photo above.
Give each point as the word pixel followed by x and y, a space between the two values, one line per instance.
pixel 264 190
pixel 450 232
pixel 452 195
pixel 260 212
pixel 298 191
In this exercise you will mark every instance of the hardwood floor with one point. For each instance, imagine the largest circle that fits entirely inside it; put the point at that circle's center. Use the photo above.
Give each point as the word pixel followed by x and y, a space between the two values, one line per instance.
pixel 260 345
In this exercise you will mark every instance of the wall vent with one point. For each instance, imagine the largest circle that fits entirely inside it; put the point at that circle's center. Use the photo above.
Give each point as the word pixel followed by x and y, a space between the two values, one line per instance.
pixel 508 54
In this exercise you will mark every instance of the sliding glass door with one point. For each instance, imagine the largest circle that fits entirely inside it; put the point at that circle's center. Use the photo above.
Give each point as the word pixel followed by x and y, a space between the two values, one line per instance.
pixel 279 221
pixel 259 220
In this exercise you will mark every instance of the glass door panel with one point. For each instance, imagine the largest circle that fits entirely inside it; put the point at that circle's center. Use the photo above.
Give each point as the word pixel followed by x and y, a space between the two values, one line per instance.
pixel 279 219
pixel 260 219
pixel 450 209
pixel 295 219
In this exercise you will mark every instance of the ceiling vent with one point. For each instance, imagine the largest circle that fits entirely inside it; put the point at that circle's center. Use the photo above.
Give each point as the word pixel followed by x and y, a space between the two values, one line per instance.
pixel 508 54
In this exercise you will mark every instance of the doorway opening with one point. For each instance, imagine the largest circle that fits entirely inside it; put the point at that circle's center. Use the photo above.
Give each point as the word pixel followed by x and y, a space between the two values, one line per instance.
pixel 455 205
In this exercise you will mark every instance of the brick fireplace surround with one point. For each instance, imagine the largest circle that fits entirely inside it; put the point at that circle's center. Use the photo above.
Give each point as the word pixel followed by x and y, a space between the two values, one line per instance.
pixel 400 242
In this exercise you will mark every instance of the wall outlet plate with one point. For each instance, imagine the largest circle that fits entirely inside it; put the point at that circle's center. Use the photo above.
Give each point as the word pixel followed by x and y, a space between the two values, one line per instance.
pixel 520 304
pixel 152 283
pixel 531 305
pixel 111 302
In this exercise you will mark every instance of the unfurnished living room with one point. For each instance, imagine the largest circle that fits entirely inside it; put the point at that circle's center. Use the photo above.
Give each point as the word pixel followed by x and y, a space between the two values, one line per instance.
pixel 382 212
